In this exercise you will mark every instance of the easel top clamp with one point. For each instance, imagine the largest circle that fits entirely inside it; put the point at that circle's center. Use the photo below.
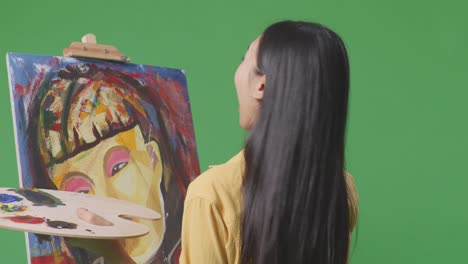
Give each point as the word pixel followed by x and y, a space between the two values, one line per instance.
pixel 88 48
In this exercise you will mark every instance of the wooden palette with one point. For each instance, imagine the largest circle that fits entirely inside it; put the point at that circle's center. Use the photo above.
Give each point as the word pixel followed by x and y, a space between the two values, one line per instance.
pixel 60 213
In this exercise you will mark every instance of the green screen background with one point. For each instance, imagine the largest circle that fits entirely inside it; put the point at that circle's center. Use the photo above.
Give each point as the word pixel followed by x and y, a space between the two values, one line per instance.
pixel 407 134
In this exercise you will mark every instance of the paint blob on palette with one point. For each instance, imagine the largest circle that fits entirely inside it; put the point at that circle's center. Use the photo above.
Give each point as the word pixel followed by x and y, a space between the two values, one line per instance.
pixel 10 208
pixel 38 197
pixel 61 224
pixel 8 198
pixel 25 219
pixel 52 212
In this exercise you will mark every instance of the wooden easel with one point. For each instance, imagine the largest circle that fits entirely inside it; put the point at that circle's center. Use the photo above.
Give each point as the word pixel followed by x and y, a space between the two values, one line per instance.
pixel 88 48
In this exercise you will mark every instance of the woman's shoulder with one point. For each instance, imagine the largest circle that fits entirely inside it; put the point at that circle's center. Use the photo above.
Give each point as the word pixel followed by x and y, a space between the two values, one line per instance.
pixel 222 176
pixel 221 186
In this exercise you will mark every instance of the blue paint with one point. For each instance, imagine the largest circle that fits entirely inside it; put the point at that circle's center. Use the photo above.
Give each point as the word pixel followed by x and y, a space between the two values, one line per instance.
pixel 8 198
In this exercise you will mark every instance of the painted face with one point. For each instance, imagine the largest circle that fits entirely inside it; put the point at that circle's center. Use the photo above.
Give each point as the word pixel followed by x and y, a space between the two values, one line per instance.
pixel 122 167
pixel 248 85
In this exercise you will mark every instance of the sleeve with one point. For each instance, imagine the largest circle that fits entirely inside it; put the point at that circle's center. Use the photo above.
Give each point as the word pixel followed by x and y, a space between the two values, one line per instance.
pixel 203 233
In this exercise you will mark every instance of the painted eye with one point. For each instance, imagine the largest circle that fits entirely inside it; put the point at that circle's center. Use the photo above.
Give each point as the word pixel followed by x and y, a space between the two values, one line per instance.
pixel 78 184
pixel 116 161
pixel 118 168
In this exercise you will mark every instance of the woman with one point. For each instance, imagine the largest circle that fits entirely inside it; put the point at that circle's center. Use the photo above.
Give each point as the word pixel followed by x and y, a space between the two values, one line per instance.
pixel 286 198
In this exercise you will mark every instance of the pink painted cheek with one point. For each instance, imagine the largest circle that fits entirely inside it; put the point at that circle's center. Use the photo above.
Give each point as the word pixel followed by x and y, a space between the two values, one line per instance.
pixel 116 161
pixel 78 184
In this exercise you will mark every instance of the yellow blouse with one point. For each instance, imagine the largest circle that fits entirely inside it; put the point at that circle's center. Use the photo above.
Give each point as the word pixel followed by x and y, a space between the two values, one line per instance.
pixel 212 214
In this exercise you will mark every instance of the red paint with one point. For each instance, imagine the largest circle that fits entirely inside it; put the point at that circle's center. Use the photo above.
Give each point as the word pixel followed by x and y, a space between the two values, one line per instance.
pixel 61 258
pixel 121 93
pixel 89 82
pixel 53 61
pixel 25 219
pixel 19 90
pixel 56 127
pixel 176 255
pixel 115 80
pixel 135 75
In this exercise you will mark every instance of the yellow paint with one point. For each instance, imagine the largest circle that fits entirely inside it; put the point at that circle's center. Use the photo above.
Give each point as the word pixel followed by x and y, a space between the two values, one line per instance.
pixel 128 139
pixel 83 115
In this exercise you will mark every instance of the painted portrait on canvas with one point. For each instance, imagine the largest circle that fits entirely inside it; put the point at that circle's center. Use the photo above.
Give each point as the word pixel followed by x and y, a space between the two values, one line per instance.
pixel 109 129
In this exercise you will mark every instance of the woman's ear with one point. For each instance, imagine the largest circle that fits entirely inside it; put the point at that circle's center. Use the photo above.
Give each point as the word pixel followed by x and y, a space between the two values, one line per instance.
pixel 153 151
pixel 259 88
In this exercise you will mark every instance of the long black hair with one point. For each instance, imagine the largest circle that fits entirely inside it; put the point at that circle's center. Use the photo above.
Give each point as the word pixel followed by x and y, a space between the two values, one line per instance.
pixel 295 196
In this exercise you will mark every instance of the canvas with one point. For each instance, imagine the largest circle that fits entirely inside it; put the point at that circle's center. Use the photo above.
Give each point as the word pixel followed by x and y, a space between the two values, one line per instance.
pixel 110 129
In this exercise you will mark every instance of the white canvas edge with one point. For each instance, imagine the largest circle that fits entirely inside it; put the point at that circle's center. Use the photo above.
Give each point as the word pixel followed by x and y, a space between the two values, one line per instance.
pixel 18 162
